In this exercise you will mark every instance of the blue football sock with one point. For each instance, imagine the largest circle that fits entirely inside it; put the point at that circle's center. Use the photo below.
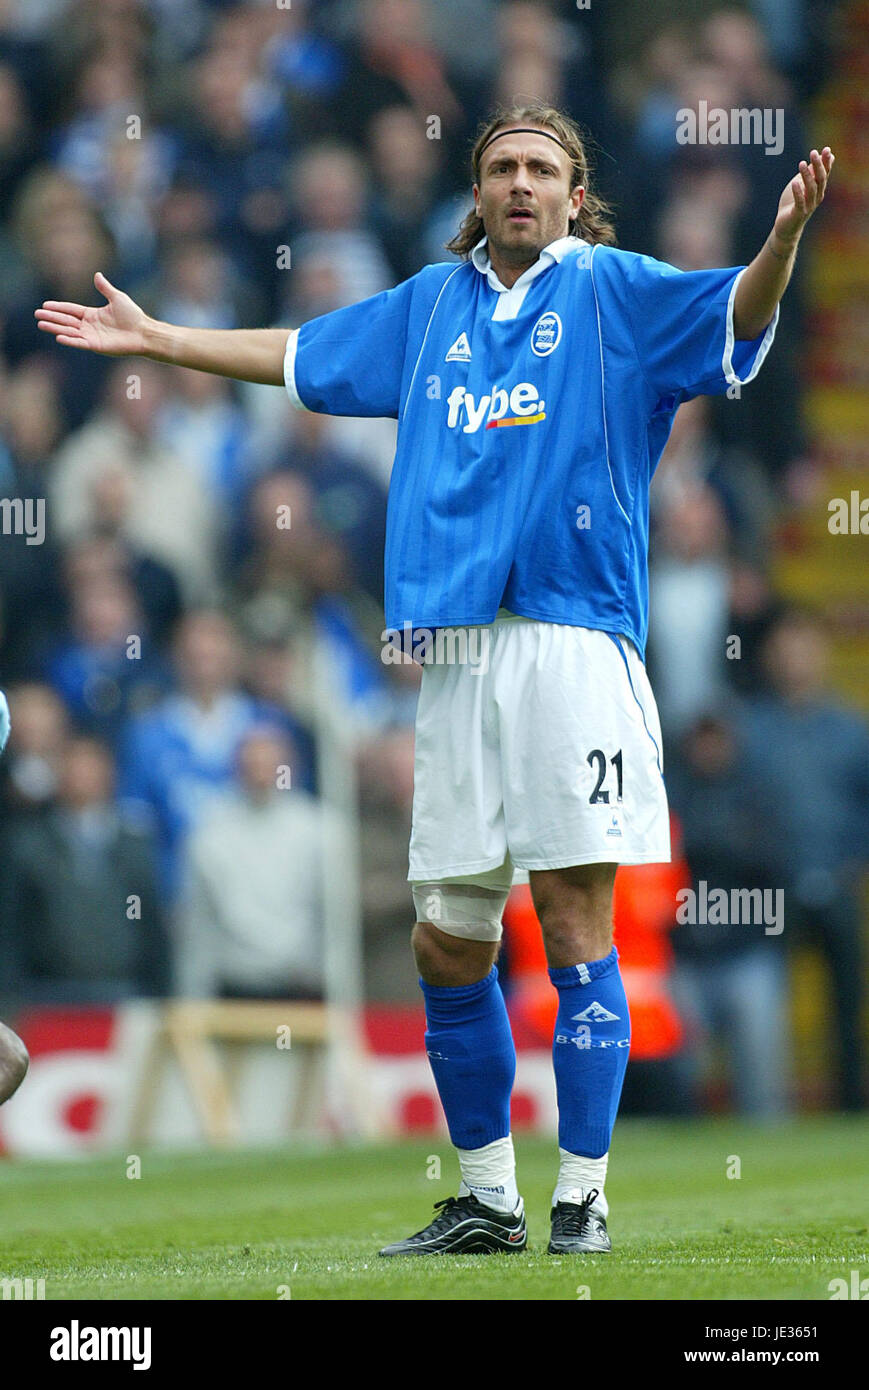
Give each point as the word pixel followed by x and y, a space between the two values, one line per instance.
pixel 473 1058
pixel 590 1053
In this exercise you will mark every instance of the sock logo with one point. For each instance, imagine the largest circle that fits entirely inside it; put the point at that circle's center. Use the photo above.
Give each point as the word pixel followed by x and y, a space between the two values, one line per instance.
pixel 595 1013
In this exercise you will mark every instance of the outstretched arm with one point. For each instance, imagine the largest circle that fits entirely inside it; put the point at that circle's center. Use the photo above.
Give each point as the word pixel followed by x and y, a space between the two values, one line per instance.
pixel 121 329
pixel 766 279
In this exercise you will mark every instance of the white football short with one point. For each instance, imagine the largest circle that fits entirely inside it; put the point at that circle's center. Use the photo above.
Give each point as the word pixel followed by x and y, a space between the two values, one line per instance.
pixel 540 749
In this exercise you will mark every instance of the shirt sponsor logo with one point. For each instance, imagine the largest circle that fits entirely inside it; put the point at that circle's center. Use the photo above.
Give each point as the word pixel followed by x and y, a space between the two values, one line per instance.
pixel 519 406
pixel 546 334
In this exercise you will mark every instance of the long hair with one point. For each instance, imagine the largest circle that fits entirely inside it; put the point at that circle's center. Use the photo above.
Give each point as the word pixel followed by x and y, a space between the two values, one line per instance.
pixel 594 222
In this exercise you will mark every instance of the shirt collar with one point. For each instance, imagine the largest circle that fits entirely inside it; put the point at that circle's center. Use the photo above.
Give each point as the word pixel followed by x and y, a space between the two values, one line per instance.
pixel 553 253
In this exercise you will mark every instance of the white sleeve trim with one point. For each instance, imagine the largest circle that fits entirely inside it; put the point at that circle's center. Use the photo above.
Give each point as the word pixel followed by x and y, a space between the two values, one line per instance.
pixel 730 339
pixel 290 370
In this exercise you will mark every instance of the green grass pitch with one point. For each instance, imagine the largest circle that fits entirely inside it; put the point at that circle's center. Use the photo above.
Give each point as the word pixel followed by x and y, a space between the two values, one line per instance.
pixel 307 1223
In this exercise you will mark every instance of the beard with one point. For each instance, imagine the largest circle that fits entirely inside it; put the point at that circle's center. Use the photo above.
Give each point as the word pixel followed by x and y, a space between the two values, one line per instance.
pixel 516 247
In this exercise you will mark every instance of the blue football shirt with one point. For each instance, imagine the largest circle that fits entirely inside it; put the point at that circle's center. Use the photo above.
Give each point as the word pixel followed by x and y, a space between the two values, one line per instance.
pixel 530 422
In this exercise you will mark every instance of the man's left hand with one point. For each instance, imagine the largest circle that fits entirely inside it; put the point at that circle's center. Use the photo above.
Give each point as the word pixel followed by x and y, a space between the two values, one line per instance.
pixel 802 195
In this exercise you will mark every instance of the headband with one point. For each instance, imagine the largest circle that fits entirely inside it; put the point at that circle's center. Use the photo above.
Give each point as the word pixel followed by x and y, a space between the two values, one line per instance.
pixel 523 130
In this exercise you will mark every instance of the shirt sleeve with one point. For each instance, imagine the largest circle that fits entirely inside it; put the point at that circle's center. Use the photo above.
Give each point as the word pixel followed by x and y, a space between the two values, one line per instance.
pixel 682 326
pixel 351 362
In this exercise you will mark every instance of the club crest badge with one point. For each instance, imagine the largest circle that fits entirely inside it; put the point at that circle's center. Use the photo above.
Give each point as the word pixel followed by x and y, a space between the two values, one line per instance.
pixel 546 334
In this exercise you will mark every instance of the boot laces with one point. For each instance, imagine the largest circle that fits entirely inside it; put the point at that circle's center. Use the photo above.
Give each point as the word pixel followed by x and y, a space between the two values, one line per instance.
pixel 575 1215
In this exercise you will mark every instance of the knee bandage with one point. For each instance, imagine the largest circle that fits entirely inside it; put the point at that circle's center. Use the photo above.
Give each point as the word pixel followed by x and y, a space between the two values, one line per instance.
pixel 461 909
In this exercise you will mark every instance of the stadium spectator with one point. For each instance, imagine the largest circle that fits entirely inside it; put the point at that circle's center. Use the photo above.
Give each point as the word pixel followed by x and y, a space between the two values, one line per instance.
pixel 108 557
pixel 295 584
pixel 307 67
pixel 407 172
pixel 754 607
pixel 251 922
pixel 105 668
pixel 393 61
pixel 689 587
pixel 289 561
pixel 199 279
pixel 731 979
pixel 734 41
pixel 179 758
pixel 694 242
pixel 135 176
pixel 736 46
pixel 534 48
pixel 274 674
pixel 24 49
pixel 116 474
pixel 108 88
pixel 315 287
pixel 19 142
pixel 80 920
pixel 201 423
pixel 348 504
pixel 810 753
pixel 385 768
pixel 330 190
pixel 649 90
pixel 31 593
pixel 59 267
pixel 695 457
pixel 31 766
pixel 450 23
pixel 232 144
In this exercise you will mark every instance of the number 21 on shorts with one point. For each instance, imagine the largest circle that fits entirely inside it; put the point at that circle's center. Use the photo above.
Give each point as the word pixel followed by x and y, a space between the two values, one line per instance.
pixel 598 759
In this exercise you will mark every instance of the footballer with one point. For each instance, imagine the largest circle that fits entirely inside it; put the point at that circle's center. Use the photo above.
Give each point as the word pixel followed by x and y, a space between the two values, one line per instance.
pixel 534 382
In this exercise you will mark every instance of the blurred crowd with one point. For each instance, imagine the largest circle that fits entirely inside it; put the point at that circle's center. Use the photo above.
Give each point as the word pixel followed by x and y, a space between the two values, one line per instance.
pixel 256 164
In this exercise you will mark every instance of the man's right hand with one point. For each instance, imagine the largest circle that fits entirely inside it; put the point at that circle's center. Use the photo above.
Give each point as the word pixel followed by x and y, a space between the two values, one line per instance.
pixel 121 329
pixel 117 329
